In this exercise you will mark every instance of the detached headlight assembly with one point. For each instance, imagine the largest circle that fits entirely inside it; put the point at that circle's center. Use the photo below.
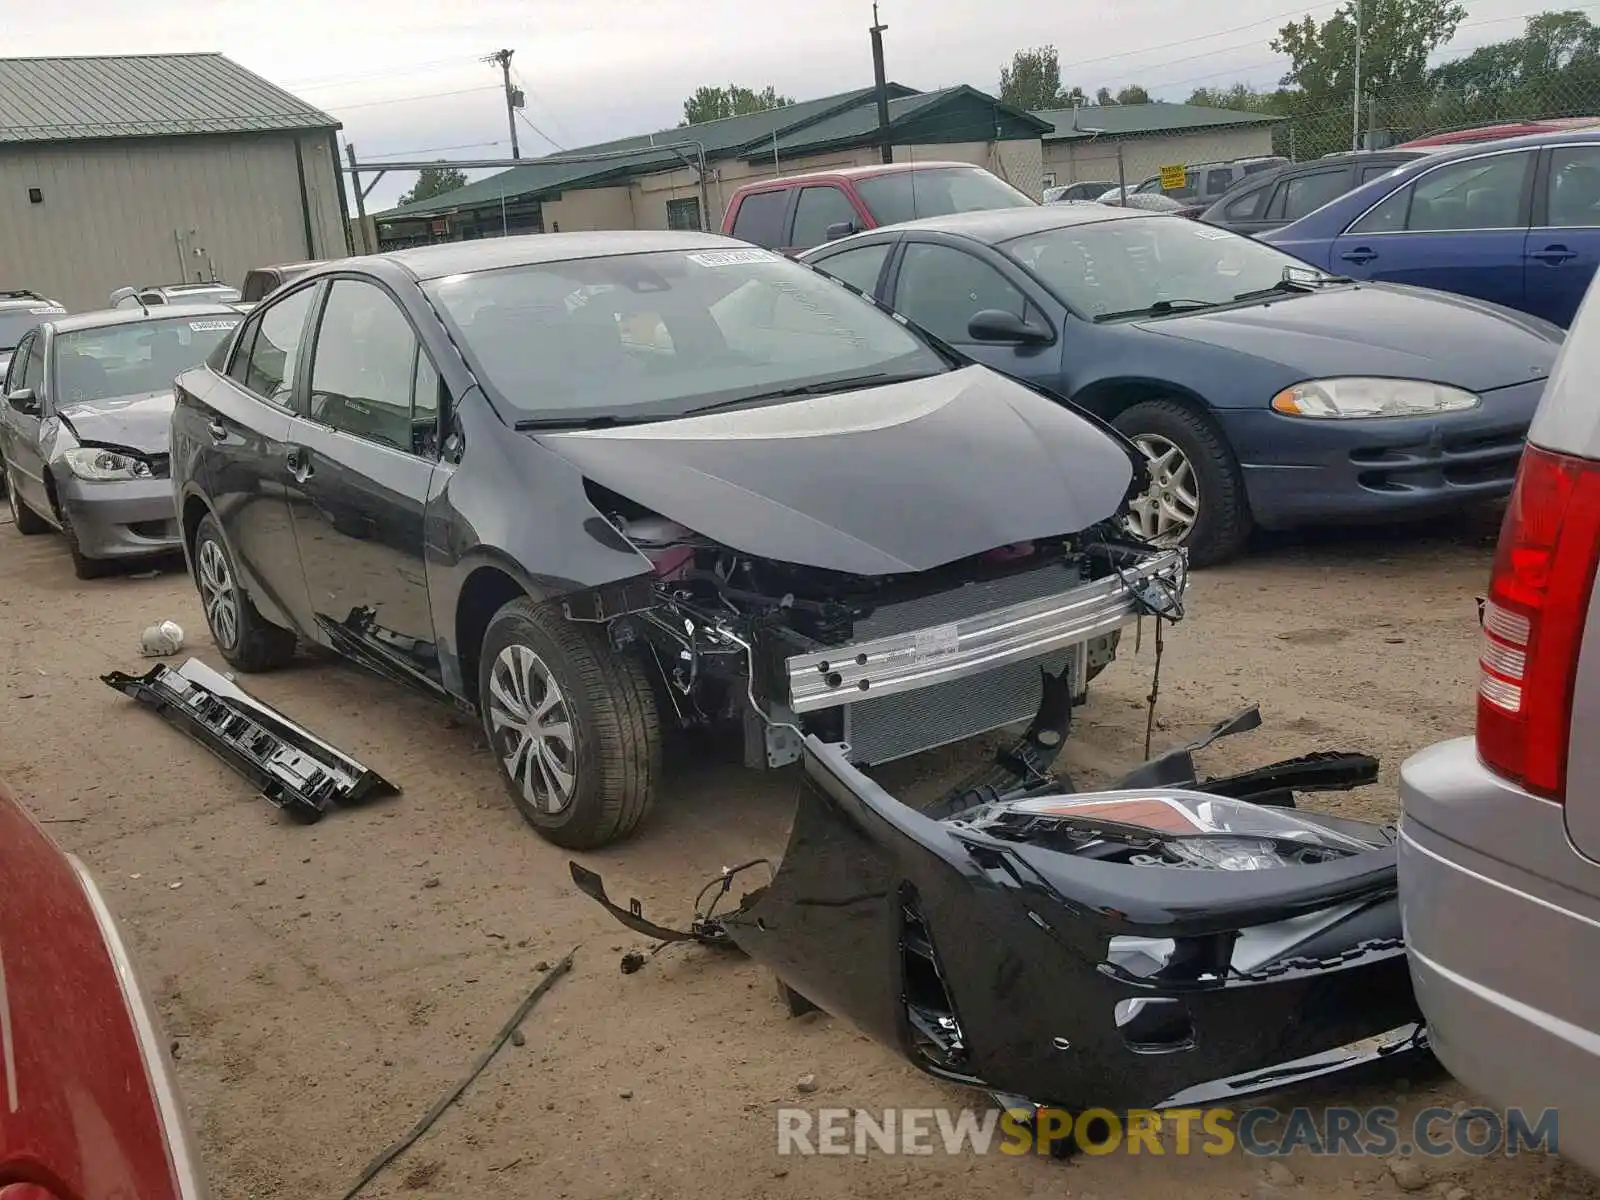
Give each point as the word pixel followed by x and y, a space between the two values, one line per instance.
pixel 1358 398
pixel 87 462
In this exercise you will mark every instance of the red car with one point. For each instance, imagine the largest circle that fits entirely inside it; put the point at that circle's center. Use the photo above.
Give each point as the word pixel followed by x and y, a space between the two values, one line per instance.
pixel 1494 133
pixel 89 1108
pixel 793 213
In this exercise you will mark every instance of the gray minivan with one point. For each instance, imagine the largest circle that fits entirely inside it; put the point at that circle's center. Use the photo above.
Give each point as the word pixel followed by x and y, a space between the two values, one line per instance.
pixel 1500 838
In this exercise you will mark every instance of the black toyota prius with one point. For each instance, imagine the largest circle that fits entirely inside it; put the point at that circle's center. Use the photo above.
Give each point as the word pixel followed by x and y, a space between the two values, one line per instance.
pixel 594 487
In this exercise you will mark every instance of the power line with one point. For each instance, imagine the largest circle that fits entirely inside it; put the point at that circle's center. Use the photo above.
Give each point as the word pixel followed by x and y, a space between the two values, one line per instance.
pixel 320 82
pixel 540 132
pixel 408 99
pixel 430 150
pixel 1084 62
pixel 555 121
pixel 1278 61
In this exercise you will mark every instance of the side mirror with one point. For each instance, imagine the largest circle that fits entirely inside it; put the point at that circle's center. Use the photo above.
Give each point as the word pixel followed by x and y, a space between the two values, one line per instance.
pixel 24 401
pixel 996 325
pixel 840 229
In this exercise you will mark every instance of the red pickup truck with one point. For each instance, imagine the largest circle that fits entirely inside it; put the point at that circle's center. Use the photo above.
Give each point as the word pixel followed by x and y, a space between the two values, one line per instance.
pixel 793 213
pixel 89 1109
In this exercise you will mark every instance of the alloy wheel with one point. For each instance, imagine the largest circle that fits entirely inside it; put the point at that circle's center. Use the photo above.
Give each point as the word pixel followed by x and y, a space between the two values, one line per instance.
pixel 531 726
pixel 1165 513
pixel 219 595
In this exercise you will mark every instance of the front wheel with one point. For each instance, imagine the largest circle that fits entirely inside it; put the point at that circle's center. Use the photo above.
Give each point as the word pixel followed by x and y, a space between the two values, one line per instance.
pixel 246 639
pixel 573 724
pixel 26 520
pixel 1196 497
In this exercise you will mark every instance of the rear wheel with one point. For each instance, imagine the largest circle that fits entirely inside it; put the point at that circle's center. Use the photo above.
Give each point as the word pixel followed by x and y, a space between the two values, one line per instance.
pixel 573 724
pixel 247 640
pixel 1196 496
pixel 26 520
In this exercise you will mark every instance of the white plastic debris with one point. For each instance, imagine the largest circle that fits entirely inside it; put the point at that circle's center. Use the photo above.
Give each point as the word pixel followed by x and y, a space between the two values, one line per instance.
pixel 158 641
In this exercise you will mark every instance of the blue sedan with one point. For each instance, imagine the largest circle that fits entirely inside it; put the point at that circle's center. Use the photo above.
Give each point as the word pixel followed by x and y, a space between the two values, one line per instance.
pixel 1263 392
pixel 1515 221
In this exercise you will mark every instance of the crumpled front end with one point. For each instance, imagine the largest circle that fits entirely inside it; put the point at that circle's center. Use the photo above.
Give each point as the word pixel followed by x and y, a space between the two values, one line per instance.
pixel 1158 944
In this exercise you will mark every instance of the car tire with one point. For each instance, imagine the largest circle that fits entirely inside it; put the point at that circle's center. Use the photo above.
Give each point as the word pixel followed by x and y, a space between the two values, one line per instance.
pixel 82 566
pixel 245 638
pixel 1221 521
pixel 591 779
pixel 28 522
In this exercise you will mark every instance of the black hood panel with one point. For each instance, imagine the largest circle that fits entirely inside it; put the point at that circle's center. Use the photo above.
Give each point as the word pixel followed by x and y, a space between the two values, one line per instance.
pixel 874 482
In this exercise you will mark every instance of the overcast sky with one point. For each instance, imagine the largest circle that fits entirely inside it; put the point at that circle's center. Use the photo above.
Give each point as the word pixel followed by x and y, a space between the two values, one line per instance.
pixel 405 77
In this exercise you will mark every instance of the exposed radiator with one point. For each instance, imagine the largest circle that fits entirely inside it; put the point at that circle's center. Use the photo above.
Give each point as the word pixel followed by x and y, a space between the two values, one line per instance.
pixel 892 727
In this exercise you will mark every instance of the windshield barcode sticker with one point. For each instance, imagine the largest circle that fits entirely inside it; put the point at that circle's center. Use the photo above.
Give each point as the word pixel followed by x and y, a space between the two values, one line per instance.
pixel 211 326
pixel 731 258
pixel 49 308
pixel 1211 235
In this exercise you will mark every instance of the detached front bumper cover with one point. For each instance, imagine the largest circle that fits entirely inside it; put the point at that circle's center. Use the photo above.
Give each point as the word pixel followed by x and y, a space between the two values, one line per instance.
pixel 1171 942
pixel 294 769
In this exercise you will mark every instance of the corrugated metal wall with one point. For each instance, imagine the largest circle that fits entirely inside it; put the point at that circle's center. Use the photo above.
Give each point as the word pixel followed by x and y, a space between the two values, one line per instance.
pixel 115 213
pixel 1143 157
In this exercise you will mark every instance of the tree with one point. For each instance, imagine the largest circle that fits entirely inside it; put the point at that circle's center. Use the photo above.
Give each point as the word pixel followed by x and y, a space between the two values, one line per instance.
pixel 1104 96
pixel 1133 94
pixel 1397 36
pixel 1033 81
pixel 435 181
pixel 714 103
pixel 1241 97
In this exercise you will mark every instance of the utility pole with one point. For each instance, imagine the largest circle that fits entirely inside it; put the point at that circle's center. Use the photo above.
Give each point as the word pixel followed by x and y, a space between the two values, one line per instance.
pixel 514 97
pixel 882 86
pixel 1355 106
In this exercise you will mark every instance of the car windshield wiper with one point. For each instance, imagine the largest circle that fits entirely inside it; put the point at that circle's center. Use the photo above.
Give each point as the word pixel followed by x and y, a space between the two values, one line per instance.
pixel 820 388
pixel 1161 308
pixel 576 422
pixel 1295 283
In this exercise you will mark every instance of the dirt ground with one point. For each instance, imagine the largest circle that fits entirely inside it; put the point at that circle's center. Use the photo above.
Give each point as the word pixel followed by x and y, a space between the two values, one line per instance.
pixel 324 985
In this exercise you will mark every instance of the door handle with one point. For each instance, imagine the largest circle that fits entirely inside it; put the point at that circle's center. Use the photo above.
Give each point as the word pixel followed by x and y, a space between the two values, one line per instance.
pixel 1361 254
pixel 218 431
pixel 298 463
pixel 1553 254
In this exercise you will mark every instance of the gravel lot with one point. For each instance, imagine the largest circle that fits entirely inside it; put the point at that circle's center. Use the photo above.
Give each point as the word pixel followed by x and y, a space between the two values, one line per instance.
pixel 324 985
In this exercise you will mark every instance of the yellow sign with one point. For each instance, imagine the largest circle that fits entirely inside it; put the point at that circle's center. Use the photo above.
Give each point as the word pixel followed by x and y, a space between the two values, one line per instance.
pixel 1172 178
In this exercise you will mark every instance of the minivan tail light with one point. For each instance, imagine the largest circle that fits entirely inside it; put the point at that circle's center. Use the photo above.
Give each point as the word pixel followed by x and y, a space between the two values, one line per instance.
pixel 1533 620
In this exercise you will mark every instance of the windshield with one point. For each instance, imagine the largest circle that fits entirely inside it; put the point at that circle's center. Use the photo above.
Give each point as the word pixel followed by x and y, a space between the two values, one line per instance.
pixel 14 322
pixel 936 192
pixel 641 336
pixel 133 359
pixel 1128 266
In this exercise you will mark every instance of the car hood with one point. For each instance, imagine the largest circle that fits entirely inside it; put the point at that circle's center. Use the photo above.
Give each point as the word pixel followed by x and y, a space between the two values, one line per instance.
pixel 141 422
pixel 1384 330
pixel 878 481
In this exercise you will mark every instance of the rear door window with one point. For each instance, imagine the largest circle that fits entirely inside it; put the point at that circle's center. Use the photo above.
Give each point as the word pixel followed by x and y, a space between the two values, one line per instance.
pixel 759 219
pixel 1218 180
pixel 815 210
pixel 269 370
pixel 1306 193
pixel 1244 208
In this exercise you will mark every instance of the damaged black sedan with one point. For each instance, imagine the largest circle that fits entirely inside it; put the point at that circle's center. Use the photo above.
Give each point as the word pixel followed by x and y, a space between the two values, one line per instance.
pixel 592 486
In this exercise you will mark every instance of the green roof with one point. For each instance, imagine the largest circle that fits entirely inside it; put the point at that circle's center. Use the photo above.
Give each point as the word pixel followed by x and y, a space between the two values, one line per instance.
pixel 913 118
pixel 1134 120
pixel 142 95
pixel 593 166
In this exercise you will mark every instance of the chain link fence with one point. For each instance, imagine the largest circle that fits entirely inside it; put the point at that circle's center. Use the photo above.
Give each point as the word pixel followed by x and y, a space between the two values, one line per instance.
pixel 1390 119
